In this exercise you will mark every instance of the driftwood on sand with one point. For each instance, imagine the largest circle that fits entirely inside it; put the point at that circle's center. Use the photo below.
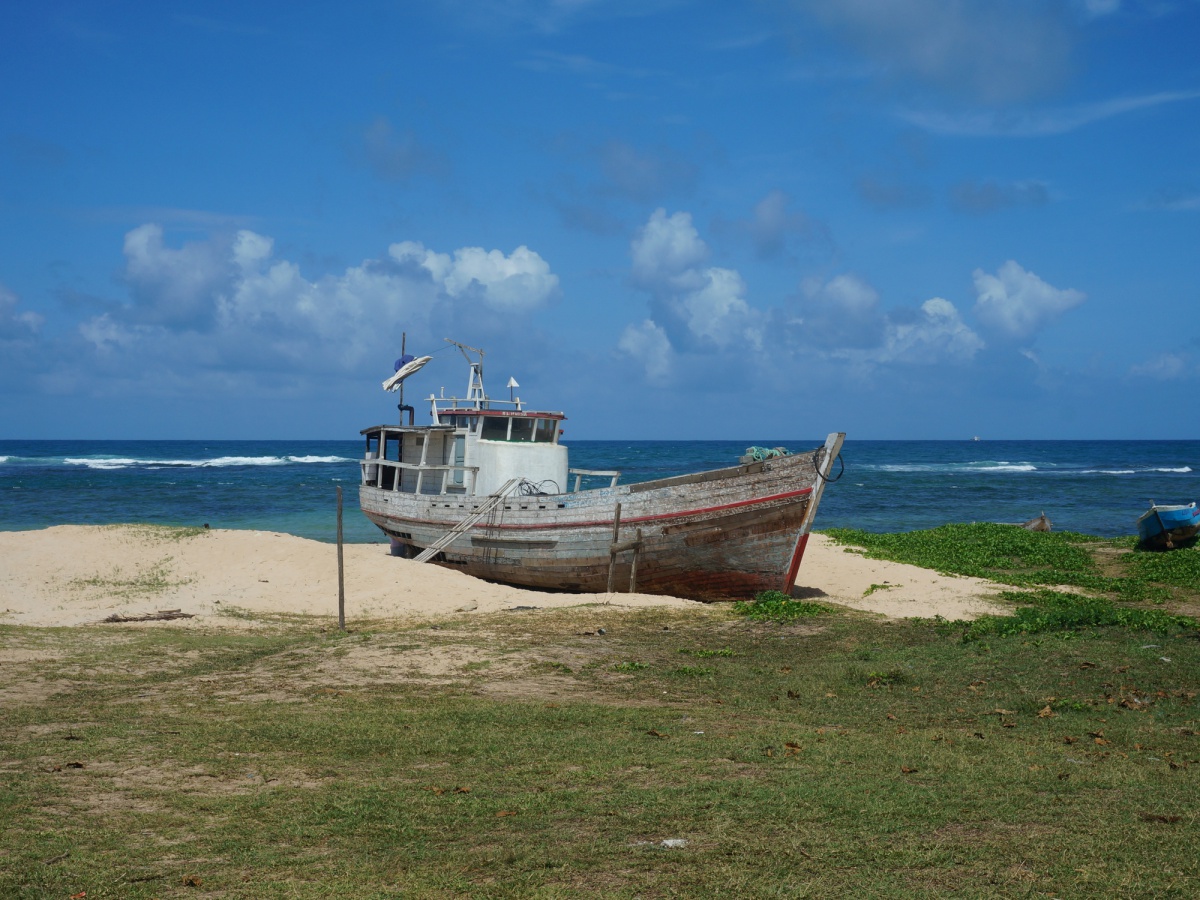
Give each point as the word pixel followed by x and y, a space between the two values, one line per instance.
pixel 161 616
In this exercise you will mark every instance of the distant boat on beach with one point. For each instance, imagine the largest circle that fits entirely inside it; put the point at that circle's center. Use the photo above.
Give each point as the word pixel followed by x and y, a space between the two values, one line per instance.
pixel 486 488
pixel 1165 526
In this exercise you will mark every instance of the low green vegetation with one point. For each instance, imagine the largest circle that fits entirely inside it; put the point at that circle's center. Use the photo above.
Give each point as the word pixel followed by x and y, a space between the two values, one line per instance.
pixel 800 752
pixel 154 579
pixel 1011 555
pixel 1055 611
pixel 851 756
pixel 776 606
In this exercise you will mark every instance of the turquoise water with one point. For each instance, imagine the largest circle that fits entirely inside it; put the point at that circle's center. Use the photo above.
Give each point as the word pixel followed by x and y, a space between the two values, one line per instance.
pixel 1098 487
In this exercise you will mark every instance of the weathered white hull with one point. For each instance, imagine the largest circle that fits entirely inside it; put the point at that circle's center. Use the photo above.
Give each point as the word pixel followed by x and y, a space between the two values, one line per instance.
pixel 724 534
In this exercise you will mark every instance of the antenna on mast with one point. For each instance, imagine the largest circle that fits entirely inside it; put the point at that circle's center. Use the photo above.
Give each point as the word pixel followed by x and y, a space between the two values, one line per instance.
pixel 475 383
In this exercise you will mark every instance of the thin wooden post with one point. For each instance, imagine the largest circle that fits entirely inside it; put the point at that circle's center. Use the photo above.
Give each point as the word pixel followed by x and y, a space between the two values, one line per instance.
pixel 612 550
pixel 341 567
pixel 637 551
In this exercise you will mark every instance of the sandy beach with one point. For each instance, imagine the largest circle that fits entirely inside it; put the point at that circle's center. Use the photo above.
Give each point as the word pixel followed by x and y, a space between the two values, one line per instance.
pixel 77 575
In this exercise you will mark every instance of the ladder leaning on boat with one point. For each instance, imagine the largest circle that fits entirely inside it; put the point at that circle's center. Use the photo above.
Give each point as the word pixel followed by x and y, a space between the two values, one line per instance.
pixel 478 513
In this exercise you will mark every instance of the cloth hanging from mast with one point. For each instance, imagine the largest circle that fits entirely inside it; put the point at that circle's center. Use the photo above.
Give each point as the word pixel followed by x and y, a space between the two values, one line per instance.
pixel 404 371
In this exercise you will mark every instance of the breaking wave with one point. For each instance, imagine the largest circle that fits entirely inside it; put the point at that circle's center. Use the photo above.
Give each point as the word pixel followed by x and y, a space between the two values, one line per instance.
pixel 214 463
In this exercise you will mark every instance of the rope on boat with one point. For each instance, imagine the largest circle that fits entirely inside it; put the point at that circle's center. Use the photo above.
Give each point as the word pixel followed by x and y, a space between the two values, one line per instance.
pixel 817 454
pixel 529 488
pixel 758 454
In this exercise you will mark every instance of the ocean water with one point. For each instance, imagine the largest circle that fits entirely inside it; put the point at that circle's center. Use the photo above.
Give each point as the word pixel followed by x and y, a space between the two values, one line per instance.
pixel 1097 487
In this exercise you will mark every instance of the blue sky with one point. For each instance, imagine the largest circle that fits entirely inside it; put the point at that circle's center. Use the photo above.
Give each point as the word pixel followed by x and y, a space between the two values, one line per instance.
pixel 904 219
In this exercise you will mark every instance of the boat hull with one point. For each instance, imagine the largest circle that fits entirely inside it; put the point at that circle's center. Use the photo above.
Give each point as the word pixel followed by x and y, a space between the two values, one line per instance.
pixel 1166 526
pixel 718 535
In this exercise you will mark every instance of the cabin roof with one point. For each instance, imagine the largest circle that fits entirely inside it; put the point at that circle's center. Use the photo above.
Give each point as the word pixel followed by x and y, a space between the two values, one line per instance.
pixel 498 413
pixel 411 428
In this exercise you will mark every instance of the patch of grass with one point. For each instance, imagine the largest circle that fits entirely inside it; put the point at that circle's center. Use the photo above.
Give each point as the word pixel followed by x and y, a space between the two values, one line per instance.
pixel 878 587
pixel 886 679
pixel 1011 555
pixel 629 666
pixel 724 652
pixel 158 533
pixel 693 672
pixel 776 606
pixel 155 579
pixel 1055 611
pixel 294 763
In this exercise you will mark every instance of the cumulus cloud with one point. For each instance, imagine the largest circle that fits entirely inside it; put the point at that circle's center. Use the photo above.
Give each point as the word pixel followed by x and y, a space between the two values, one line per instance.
pixel 254 310
pixel 520 282
pixel 705 305
pixel 173 286
pixel 843 318
pixel 648 345
pixel 995 53
pixel 841 313
pixel 935 333
pixel 667 249
pixel 1018 303
pixel 16 325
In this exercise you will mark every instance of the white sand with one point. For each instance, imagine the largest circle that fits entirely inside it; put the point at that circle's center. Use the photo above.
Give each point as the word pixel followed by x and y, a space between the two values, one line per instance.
pixel 73 575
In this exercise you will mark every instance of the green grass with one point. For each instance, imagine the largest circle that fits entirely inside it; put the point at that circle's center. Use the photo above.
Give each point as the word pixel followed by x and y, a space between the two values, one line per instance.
pixel 776 606
pixel 859 757
pixel 1106 579
pixel 1011 555
pixel 155 579
pixel 799 752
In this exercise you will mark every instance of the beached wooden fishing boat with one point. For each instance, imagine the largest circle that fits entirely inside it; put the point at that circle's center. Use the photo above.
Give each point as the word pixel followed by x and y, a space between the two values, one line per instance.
pixel 487 488
pixel 1166 526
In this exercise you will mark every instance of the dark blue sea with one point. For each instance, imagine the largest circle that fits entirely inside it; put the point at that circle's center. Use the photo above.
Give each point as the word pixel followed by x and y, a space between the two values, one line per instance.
pixel 1097 487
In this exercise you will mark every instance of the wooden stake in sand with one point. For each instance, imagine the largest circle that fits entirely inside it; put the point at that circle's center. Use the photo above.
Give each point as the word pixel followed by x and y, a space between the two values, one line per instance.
pixel 341 568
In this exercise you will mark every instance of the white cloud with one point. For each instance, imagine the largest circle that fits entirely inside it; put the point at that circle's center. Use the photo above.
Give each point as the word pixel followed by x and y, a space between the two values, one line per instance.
pixel 16 325
pixel 1038 123
pixel 173 286
pixel 106 335
pixel 938 333
pixel 839 314
pixel 521 282
pixel 1165 367
pixel 1018 303
pixel 649 345
pixel 707 303
pixel 667 249
pixel 844 319
pixel 254 311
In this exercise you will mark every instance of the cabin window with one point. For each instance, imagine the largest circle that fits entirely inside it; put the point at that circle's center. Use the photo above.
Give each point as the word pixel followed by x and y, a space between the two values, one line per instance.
pixel 544 434
pixel 495 428
pixel 474 424
pixel 522 430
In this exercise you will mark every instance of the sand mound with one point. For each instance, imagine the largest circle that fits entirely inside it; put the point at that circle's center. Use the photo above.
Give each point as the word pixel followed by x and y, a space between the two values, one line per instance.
pixel 74 575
